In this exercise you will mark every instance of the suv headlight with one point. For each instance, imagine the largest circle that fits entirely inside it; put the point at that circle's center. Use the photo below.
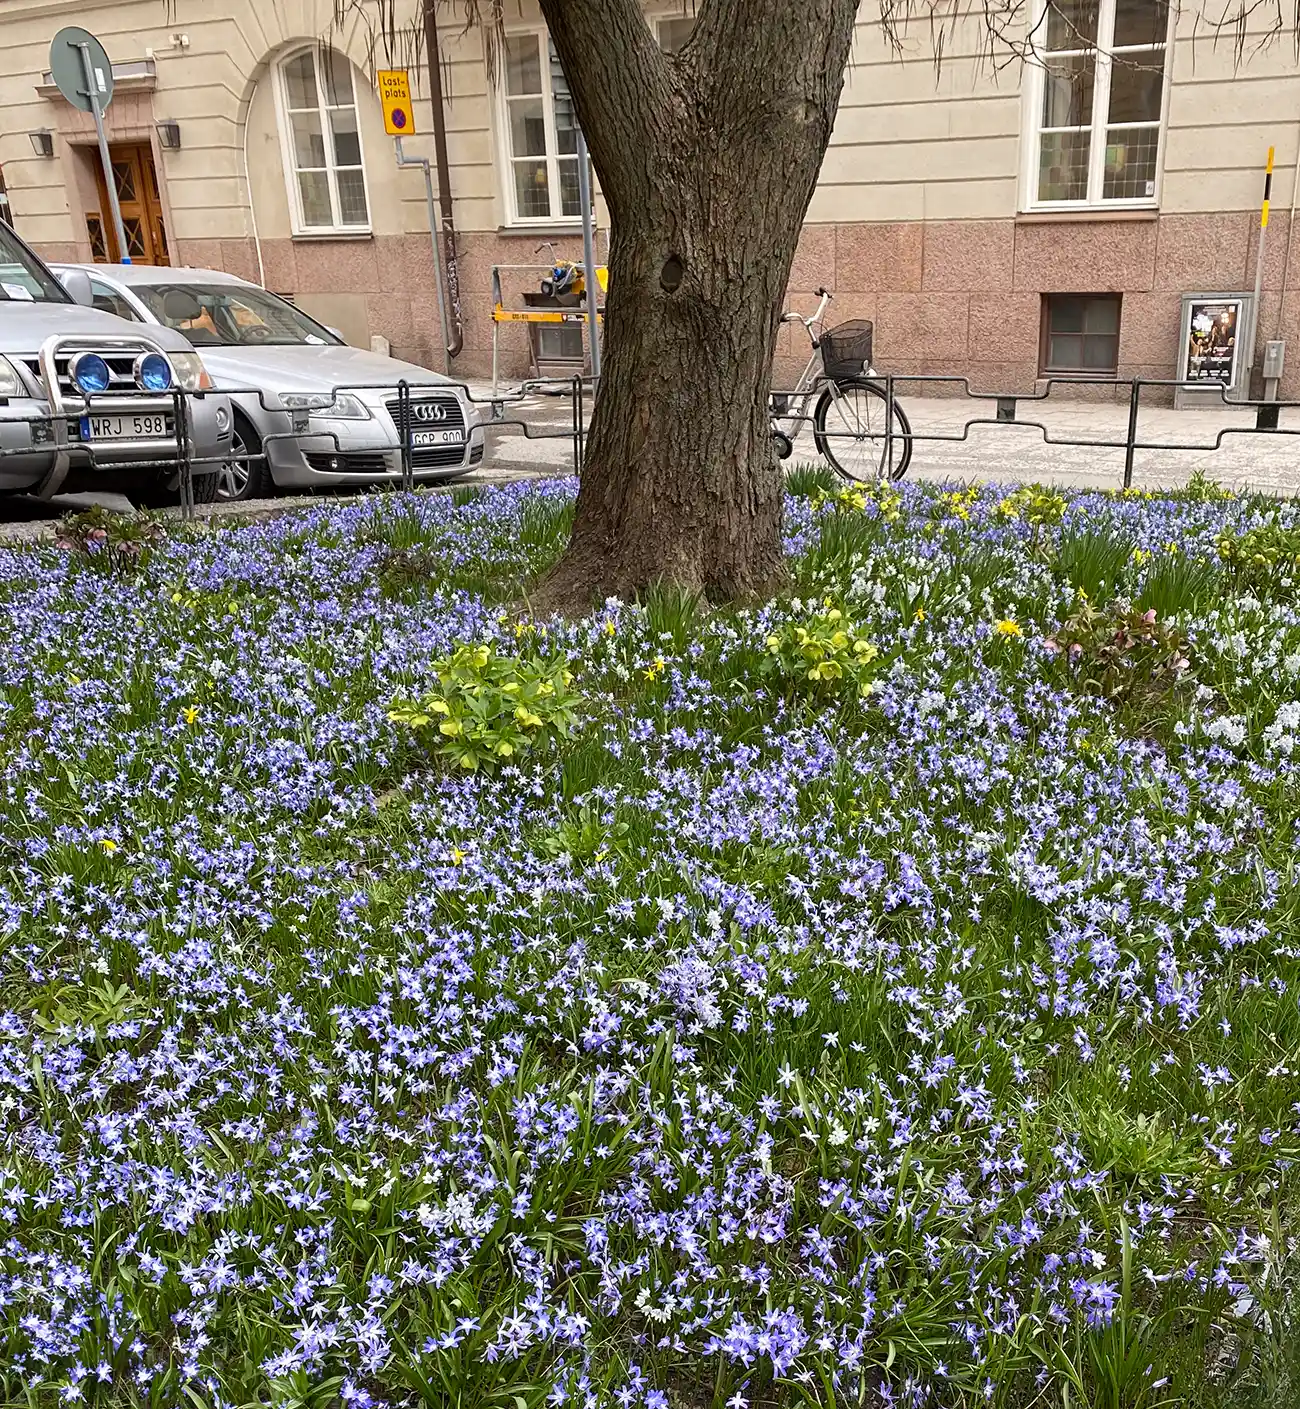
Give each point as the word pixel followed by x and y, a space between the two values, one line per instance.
pixel 341 406
pixel 10 382
pixel 191 374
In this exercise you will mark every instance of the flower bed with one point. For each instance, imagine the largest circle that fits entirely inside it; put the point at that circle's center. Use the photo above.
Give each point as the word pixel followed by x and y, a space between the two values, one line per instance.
pixel 887 995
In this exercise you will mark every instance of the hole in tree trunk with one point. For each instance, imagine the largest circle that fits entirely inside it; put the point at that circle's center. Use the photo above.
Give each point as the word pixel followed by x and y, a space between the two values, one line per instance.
pixel 671 275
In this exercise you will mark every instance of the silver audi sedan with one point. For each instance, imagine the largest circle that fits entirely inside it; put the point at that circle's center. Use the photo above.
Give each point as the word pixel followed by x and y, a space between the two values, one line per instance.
pixel 321 413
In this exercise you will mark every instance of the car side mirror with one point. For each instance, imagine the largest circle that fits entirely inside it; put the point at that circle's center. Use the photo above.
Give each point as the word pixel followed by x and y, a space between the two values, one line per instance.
pixel 77 284
pixel 336 333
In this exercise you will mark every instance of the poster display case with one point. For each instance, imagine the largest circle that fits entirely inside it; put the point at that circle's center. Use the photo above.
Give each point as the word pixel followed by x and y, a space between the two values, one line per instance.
pixel 1213 350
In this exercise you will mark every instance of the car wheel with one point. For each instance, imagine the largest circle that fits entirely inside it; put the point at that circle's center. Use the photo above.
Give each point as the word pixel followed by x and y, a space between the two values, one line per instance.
pixel 242 478
pixel 207 488
pixel 158 496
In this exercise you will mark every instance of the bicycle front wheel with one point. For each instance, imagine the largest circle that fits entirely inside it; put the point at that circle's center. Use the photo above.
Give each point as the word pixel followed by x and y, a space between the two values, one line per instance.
pixel 849 428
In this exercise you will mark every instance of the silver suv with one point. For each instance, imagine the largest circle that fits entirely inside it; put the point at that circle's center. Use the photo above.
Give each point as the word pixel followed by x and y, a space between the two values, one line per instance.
pixel 88 400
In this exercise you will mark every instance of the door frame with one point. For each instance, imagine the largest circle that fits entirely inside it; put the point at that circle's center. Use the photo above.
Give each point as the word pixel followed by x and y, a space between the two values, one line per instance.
pixel 152 213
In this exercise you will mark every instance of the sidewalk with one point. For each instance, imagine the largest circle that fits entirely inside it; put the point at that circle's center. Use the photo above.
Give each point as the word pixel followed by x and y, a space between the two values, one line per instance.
pixel 1016 451
pixel 1010 452
pixel 1226 445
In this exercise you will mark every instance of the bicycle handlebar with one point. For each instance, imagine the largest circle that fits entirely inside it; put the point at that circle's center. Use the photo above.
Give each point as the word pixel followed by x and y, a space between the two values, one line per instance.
pixel 810 323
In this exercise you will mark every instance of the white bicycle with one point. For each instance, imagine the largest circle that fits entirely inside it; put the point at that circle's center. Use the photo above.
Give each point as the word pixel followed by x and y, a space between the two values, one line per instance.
pixel 852 423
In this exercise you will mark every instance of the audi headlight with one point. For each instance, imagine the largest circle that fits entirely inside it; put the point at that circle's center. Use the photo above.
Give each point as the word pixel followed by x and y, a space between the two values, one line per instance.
pixel 341 406
pixel 191 374
pixel 10 384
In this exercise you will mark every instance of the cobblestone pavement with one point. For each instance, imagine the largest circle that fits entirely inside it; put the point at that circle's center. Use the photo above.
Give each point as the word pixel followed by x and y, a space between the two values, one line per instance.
pixel 1224 446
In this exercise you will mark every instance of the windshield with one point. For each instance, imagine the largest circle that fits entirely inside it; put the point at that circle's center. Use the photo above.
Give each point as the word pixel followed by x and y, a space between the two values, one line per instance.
pixel 23 278
pixel 231 315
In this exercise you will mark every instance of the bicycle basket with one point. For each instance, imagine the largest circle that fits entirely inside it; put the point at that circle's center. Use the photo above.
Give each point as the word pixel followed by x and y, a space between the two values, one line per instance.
pixel 846 348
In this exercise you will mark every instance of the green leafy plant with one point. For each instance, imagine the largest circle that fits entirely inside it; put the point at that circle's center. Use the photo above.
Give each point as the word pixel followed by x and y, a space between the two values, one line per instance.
pixel 810 481
pixel 1200 489
pixel 585 835
pixel 1034 505
pixel 115 543
pixel 96 1007
pixel 1174 581
pixel 545 523
pixel 1093 560
pixel 404 570
pixel 1121 654
pixel 1264 561
pixel 822 654
pixel 672 612
pixel 487 708
pixel 847 538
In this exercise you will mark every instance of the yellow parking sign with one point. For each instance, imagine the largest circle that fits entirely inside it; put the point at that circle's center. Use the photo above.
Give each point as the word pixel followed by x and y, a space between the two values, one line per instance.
pixel 395 95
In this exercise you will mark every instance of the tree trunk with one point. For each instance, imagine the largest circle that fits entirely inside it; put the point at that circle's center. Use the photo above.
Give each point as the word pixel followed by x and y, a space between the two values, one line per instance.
pixel 708 161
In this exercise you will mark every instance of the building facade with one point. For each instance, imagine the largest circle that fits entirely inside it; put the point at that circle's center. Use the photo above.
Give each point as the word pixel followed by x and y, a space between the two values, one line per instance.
pixel 1002 220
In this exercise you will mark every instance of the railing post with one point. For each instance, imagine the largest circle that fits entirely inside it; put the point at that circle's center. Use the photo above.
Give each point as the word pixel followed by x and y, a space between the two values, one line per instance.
pixel 184 469
pixel 577 401
pixel 889 426
pixel 1130 442
pixel 404 431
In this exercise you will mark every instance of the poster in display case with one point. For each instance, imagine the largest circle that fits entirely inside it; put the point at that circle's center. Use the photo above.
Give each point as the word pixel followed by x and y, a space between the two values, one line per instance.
pixel 1211 351
pixel 1215 337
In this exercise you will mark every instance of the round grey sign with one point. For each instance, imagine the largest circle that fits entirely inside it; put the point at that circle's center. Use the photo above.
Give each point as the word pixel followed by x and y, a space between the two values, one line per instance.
pixel 68 68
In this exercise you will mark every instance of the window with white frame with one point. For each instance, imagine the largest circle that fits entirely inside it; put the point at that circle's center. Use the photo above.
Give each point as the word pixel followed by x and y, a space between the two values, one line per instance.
pixel 1098 98
pixel 672 32
pixel 322 142
pixel 541 132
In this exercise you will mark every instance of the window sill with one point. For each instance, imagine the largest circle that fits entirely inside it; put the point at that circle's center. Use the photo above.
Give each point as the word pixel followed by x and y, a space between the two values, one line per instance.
pixel 556 227
pixel 1091 215
pixel 323 236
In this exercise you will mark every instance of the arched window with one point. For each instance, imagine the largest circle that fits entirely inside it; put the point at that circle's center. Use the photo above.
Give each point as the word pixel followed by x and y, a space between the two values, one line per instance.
pixel 322 142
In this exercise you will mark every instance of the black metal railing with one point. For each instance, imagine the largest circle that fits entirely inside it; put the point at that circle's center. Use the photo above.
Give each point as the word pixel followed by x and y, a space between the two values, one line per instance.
pixel 58 434
pixel 1006 404
pixel 56 440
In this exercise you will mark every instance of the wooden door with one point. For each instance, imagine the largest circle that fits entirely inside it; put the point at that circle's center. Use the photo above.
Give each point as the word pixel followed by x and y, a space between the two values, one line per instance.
pixel 136 180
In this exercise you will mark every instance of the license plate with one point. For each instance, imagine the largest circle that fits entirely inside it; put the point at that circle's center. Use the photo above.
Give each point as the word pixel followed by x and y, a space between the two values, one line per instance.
pixel 423 439
pixel 130 427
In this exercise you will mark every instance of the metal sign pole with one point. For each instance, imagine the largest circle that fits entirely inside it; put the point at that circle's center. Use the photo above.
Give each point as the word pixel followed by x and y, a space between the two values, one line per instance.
pixel 404 160
pixel 1259 266
pixel 589 253
pixel 92 92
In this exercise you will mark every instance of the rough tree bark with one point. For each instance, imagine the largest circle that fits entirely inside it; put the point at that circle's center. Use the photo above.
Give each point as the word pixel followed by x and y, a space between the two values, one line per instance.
pixel 708 161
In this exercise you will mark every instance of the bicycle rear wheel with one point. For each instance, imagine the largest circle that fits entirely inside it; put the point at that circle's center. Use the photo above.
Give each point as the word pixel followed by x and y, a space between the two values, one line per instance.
pixel 849 428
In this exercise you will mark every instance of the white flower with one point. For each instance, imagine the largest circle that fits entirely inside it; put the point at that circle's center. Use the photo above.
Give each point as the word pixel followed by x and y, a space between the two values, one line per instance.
pixel 1231 728
pixel 1279 737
